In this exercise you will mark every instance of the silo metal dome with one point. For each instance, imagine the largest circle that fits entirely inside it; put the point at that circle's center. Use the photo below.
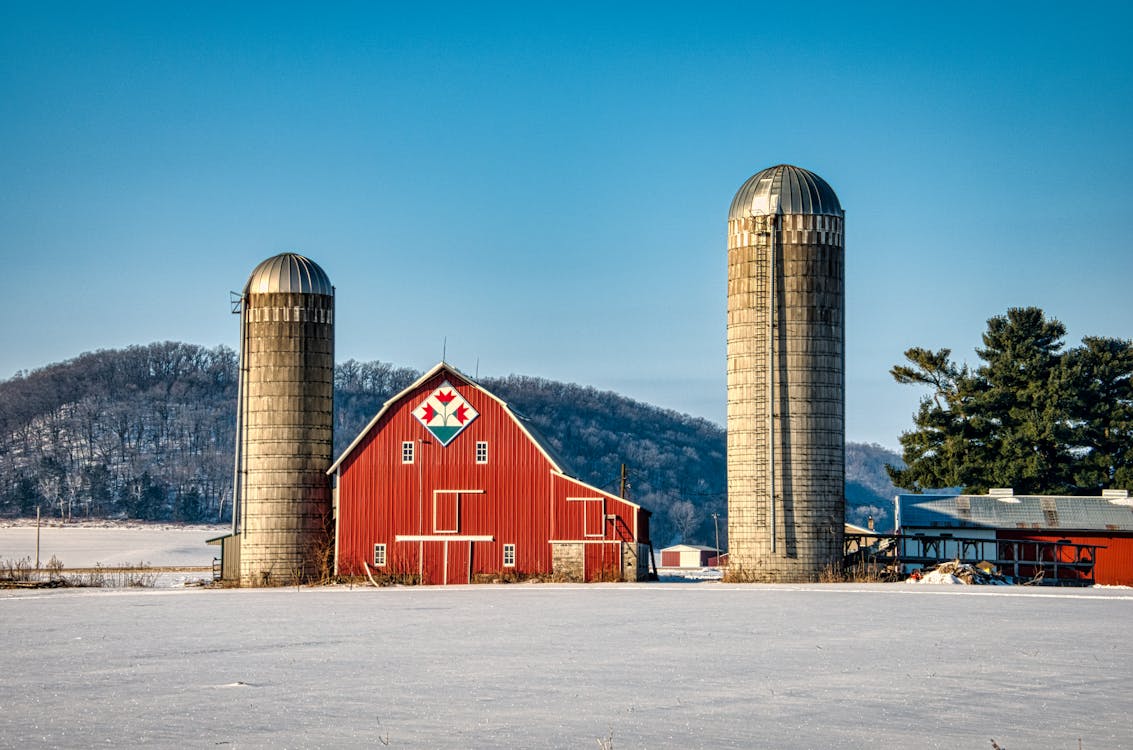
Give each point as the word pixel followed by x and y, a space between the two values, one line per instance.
pixel 288 273
pixel 785 189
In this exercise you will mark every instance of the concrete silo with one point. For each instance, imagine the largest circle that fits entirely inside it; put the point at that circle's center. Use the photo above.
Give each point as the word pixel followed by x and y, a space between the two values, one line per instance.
pixel 284 440
pixel 786 377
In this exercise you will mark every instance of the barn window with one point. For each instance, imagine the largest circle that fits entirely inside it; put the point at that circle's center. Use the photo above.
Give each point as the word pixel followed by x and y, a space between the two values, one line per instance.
pixel 379 555
pixel 407 452
pixel 509 555
pixel 482 452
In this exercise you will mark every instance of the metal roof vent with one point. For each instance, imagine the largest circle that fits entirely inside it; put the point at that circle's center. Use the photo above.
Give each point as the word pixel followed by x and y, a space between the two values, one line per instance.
pixel 1118 497
pixel 1001 492
pixel 964 507
pixel 1050 511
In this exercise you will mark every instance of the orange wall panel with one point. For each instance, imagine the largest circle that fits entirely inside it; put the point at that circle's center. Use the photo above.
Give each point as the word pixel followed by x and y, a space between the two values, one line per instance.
pixel 1114 564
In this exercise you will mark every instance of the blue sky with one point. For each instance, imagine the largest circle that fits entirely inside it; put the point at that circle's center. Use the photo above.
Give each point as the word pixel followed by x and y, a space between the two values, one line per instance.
pixel 546 186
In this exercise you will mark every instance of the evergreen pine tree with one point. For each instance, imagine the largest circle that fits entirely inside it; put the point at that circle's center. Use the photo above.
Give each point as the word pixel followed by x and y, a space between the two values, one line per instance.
pixel 1101 375
pixel 1020 419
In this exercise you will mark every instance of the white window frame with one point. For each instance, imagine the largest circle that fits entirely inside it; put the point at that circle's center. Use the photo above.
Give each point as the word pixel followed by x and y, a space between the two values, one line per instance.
pixel 482 451
pixel 408 452
pixel 509 553
pixel 380 556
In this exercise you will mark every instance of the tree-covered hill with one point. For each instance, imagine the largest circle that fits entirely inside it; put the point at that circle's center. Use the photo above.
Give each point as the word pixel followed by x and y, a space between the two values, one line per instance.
pixel 144 432
pixel 148 432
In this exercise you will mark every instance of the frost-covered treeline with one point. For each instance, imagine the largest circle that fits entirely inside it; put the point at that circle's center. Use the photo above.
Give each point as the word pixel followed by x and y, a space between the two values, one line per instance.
pixel 145 432
pixel 868 489
pixel 148 432
pixel 674 463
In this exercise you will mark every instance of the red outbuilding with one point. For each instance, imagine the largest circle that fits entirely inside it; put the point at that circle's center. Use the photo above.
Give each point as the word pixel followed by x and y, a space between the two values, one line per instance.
pixel 1064 536
pixel 448 484
pixel 688 556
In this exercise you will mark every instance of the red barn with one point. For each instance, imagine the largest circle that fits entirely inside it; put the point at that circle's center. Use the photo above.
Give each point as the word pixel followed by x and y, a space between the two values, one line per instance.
pixel 448 483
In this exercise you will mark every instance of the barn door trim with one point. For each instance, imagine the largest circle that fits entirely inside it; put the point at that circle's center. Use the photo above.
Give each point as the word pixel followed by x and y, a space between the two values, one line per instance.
pixel 444 538
pixel 456 510
pixel 586 531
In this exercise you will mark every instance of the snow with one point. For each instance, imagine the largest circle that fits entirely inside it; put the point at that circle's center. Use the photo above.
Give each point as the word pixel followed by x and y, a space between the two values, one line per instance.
pixel 84 545
pixel 678 575
pixel 938 577
pixel 956 573
pixel 526 665
pixel 695 664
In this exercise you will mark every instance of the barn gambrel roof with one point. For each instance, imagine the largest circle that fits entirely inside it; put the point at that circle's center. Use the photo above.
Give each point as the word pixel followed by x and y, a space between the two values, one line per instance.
pixel 1062 512
pixel 545 447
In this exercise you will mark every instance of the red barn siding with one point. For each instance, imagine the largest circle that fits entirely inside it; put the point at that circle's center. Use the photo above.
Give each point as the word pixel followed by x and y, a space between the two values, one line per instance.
pixel 517 497
pixel 603 562
pixel 1114 564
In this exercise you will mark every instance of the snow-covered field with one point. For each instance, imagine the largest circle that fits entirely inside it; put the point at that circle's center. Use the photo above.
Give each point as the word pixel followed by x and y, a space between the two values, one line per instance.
pixel 668 665
pixel 702 665
pixel 111 544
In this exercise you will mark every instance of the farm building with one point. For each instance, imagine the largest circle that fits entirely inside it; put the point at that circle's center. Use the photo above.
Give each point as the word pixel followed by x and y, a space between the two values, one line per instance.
pixel 687 556
pixel 1067 537
pixel 448 484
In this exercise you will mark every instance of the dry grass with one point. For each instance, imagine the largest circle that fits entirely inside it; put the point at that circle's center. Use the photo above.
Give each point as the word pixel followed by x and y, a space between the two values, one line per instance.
pixel 396 578
pixel 861 572
pixel 740 574
pixel 609 575
pixel 321 552
pixel 15 571
pixel 506 576
pixel 20 574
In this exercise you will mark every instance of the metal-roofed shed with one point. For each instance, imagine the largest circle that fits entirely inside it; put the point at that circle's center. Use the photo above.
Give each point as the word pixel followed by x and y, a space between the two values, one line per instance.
pixel 1073 520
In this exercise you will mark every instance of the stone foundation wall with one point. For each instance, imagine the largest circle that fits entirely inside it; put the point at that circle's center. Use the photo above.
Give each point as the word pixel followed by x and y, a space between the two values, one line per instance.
pixel 568 561
pixel 635 561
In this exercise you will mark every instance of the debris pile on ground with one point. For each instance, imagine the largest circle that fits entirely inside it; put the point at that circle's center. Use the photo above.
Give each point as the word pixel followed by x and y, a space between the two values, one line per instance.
pixel 956 572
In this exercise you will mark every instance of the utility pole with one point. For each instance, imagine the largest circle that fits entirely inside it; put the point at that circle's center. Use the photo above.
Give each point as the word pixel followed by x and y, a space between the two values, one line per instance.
pixel 716 522
pixel 623 486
